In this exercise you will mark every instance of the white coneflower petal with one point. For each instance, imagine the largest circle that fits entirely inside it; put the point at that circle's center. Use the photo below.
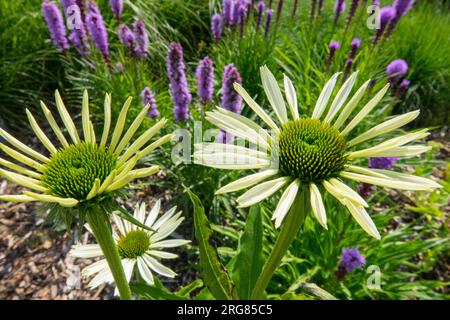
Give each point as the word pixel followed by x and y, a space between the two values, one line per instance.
pixel 406 151
pixel 107 120
pixel 145 271
pixel 64 202
pixel 158 267
pixel 348 192
pixel 388 183
pixel 85 118
pixel 365 171
pixel 128 266
pixel 40 134
pixel 163 219
pixel 22 147
pixel 167 229
pixel 151 218
pixel 86 251
pixel 261 192
pixel 154 145
pixel 407 177
pixel 120 182
pixel 324 96
pixel 94 268
pixel 291 97
pixel 273 94
pixel 119 223
pixel 144 172
pixel 16 198
pixel 351 105
pixel 317 205
pixel 132 129
pixel 162 254
pixel 67 120
pixel 20 157
pixel 285 203
pixel 385 127
pixel 213 147
pixel 389 144
pixel 341 97
pixel 51 120
pixel 104 276
pixel 169 243
pixel 247 181
pixel 23 180
pixel 20 169
pixel 140 212
pixel 231 161
pixel 255 107
pixel 107 182
pixel 365 110
pixel 94 190
pixel 362 217
pixel 117 133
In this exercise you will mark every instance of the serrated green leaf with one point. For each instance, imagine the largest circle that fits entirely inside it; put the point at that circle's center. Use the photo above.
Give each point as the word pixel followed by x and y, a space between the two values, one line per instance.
pixel 215 276
pixel 249 260
pixel 148 292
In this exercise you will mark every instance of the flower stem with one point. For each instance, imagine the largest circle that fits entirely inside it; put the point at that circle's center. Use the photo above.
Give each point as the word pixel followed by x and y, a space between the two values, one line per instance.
pixel 101 227
pixel 287 234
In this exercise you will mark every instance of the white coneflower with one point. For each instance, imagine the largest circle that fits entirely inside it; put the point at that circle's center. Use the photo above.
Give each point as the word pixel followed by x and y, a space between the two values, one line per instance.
pixel 313 152
pixel 137 247
pixel 81 173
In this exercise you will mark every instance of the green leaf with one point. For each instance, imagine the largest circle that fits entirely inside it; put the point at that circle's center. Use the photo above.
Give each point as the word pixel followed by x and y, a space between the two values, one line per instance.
pixel 186 290
pixel 249 260
pixel 214 274
pixel 148 292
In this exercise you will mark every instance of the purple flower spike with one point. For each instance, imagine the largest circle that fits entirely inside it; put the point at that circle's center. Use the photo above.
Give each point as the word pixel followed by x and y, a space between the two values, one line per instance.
pixel 55 24
pixel 402 7
pixel 127 37
pixel 78 34
pixel 333 46
pixel 179 89
pixel 241 20
pixel 149 98
pixel 261 5
pixel 355 44
pixel 351 259
pixel 227 11
pixel 216 26
pixel 97 30
pixel 382 163
pixel 396 70
pixel 116 8
pixel 205 77
pixel 402 88
pixel 348 68
pixel 230 100
pixel 365 190
pixel 339 8
pixel 269 14
pixel 376 3
pixel 141 47
pixel 351 14
pixel 236 12
pixel 279 9
pixel 387 14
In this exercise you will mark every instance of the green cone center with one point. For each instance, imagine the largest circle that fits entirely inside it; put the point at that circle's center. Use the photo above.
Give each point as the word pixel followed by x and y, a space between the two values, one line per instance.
pixel 71 172
pixel 133 244
pixel 311 150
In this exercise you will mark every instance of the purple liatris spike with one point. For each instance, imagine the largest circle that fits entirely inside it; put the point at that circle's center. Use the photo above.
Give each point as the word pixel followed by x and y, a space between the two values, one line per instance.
pixel 127 37
pixel 231 100
pixel 227 8
pixel 339 8
pixel 402 88
pixel 97 30
pixel 149 98
pixel 351 259
pixel 81 5
pixel 387 14
pixel 351 13
pixel 402 7
pixel 355 44
pixel 236 12
pixel 75 24
pixel 55 24
pixel 216 26
pixel 382 162
pixel 241 20
pixel 365 190
pixel 179 89
pixel 269 14
pixel 205 78
pixel 348 68
pixel 279 9
pixel 376 3
pixel 333 46
pixel 396 70
pixel 260 6
pixel 141 47
pixel 116 8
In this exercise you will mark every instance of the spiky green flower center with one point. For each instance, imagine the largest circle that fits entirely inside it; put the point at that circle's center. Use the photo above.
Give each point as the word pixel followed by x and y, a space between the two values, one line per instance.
pixel 133 244
pixel 311 150
pixel 71 172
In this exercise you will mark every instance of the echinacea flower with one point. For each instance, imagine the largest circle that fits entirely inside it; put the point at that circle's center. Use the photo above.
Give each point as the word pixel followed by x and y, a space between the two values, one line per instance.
pixel 55 23
pixel 138 248
pixel 81 168
pixel 311 154
pixel 351 259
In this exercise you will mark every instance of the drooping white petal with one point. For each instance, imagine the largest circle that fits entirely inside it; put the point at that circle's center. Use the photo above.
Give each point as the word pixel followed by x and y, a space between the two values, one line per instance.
pixel 128 266
pixel 365 110
pixel 317 205
pixel 273 94
pixel 145 271
pixel 291 97
pixel 119 223
pixel 348 192
pixel 51 120
pixel 86 251
pixel 255 107
pixel 158 267
pixel 362 217
pixel 167 229
pixel 405 151
pixel 285 203
pixel 407 177
pixel 324 96
pixel 172 243
pixel 67 120
pixel 164 218
pixel 107 121
pixel 365 171
pixel 385 127
pixel 64 202
pixel 247 181
pixel 94 268
pixel 351 105
pixel 117 133
pixel 39 133
pixel 261 192
pixel 341 97
pixel 151 218
pixel 162 254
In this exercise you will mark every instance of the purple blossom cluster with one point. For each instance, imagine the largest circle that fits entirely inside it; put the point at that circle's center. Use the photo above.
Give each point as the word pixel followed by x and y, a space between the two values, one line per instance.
pixel 116 8
pixel 351 259
pixel 149 98
pixel 135 40
pixel 179 89
pixel 396 71
pixel 333 46
pixel 216 26
pixel 205 78
pixel 55 24
pixel 382 162
pixel 75 23
pixel 97 30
